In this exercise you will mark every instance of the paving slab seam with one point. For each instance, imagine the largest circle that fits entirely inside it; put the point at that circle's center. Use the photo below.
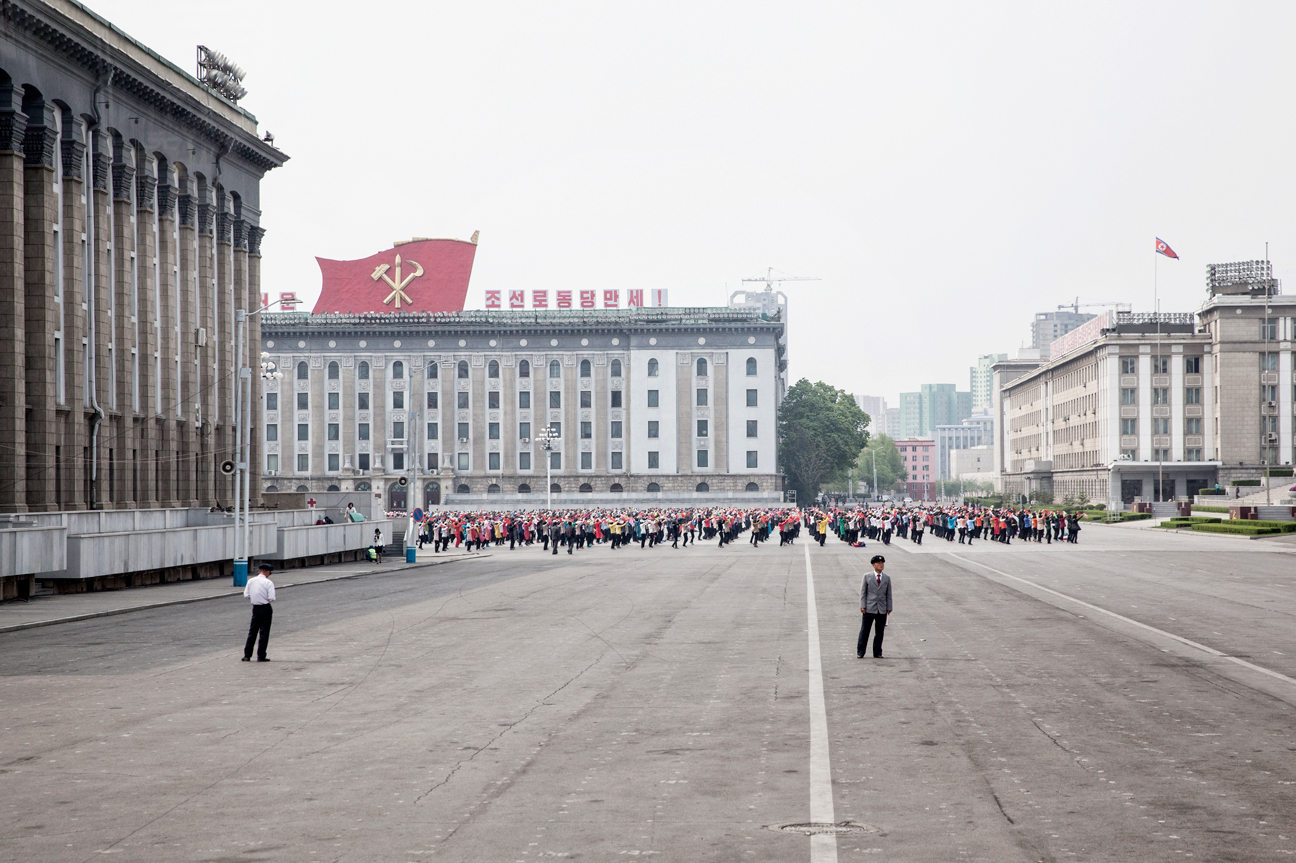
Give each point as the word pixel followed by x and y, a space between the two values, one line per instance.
pixel 115 611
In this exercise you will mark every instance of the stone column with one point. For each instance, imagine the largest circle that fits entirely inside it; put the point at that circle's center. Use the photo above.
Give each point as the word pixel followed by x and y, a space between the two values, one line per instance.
pixel 209 367
pixel 172 425
pixel 100 204
pixel 148 441
pixel 251 252
pixel 123 435
pixel 77 197
pixel 186 256
pixel 684 411
pixel 40 313
pixel 13 333
pixel 720 419
pixel 224 311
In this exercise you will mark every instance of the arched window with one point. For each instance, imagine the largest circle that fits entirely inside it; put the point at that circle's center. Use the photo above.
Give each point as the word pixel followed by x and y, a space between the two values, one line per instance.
pixel 701 368
pixel 492 369
pixel 586 488
pixel 492 489
pixel 616 368
pixel 303 372
pixel 751 367
pixel 653 488
pixel 616 488
pixel 362 371
pixel 703 487
pixel 334 488
pixel 524 489
pixel 524 369
pixel 751 486
pixel 652 368
pixel 462 489
pixel 271 489
pixel 363 486
pixel 334 371
pixel 398 370
pixel 463 368
pixel 302 488
pixel 585 368
pixel 555 370
pixel 555 488
pixel 432 369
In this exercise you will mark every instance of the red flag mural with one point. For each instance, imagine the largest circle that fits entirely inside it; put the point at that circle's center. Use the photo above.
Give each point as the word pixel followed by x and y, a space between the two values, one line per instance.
pixel 418 276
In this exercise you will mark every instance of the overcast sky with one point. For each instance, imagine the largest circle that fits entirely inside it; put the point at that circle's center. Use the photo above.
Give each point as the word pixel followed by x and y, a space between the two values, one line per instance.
pixel 946 169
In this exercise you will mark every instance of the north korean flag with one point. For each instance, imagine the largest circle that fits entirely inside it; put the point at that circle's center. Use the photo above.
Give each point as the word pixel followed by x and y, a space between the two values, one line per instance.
pixel 1164 249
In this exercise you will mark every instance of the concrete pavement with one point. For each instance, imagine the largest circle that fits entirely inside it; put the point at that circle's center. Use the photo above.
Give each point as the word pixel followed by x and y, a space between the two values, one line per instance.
pixel 1037 703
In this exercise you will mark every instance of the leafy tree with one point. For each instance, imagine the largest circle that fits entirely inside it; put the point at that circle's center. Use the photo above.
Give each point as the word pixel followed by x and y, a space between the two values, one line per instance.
pixel 890 470
pixel 820 433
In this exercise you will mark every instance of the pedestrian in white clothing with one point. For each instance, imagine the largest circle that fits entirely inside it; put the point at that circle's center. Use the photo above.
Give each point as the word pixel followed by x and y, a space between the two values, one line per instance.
pixel 261 591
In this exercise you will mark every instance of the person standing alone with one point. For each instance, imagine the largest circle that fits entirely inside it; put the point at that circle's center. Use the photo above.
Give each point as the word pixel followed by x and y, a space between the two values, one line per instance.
pixel 261 591
pixel 875 605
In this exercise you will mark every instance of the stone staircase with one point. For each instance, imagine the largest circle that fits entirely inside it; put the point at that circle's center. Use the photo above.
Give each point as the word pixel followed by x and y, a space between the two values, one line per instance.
pixel 1165 509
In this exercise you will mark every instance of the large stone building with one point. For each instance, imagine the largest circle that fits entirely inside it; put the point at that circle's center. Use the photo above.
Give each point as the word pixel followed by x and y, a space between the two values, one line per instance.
pixel 129 235
pixel 646 403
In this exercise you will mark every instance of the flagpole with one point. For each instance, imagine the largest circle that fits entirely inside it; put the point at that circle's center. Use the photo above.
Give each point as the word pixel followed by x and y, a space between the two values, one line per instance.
pixel 1156 316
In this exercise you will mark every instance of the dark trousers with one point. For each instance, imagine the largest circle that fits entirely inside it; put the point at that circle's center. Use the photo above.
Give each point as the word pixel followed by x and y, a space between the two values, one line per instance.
pixel 261 615
pixel 869 620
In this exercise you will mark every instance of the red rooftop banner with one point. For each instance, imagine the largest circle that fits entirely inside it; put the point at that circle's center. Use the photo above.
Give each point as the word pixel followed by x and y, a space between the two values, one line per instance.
pixel 419 276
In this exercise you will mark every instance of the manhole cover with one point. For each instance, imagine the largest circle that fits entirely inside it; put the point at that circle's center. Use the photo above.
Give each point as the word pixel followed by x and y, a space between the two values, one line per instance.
pixel 823 828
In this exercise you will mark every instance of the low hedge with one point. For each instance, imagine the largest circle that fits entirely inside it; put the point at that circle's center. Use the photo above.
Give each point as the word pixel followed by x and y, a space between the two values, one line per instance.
pixel 1188 521
pixel 1245 482
pixel 1117 517
pixel 1222 509
pixel 1212 491
pixel 1238 529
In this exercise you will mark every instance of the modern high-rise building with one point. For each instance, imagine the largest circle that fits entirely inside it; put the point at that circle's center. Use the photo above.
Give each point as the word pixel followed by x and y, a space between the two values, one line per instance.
pixel 875 407
pixel 932 405
pixel 981 381
pixel 892 428
pixel 1048 326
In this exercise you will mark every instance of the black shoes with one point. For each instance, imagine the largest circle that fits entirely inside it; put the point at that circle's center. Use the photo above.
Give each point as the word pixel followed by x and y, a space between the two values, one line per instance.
pixel 263 659
pixel 859 656
pixel 247 659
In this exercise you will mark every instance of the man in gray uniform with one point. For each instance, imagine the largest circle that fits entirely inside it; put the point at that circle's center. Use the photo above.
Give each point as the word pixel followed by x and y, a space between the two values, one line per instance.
pixel 875 605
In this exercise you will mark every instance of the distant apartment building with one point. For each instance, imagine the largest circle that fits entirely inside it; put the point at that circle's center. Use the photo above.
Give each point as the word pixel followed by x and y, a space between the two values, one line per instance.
pixel 981 381
pixel 918 458
pixel 932 405
pixel 972 432
pixel 1049 326
pixel 892 429
pixel 875 407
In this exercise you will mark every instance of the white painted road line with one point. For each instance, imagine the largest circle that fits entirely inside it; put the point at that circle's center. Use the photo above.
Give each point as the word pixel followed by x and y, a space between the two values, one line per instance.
pixel 1170 635
pixel 823 849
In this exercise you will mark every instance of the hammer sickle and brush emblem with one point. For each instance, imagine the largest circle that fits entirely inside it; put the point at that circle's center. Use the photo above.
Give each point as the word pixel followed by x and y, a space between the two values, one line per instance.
pixel 398 285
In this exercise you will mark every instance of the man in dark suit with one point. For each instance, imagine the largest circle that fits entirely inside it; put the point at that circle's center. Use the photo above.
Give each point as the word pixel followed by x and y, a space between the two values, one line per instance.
pixel 875 605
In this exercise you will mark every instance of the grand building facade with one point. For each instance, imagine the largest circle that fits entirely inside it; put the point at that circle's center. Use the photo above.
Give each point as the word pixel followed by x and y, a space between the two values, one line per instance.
pixel 431 409
pixel 129 237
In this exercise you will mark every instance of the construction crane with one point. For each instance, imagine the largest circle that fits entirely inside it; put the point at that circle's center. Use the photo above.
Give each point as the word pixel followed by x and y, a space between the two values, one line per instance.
pixel 1077 306
pixel 769 279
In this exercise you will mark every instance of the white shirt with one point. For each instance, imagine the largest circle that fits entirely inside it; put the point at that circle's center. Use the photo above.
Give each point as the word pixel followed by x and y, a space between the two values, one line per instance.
pixel 260 590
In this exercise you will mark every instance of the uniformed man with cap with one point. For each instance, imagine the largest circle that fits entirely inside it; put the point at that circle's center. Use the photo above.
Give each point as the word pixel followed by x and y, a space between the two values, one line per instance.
pixel 875 605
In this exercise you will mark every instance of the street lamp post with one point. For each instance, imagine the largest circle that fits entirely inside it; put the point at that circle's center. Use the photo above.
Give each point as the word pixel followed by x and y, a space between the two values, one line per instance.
pixel 873 452
pixel 242 430
pixel 546 438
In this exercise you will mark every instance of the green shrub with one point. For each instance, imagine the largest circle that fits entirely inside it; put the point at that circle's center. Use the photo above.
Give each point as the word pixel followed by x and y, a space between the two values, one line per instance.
pixel 1188 521
pixel 1238 529
pixel 1209 491
pixel 1280 471
pixel 1222 509
pixel 1245 482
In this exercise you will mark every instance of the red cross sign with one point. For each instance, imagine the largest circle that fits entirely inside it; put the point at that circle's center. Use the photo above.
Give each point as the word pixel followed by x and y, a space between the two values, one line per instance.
pixel 311 503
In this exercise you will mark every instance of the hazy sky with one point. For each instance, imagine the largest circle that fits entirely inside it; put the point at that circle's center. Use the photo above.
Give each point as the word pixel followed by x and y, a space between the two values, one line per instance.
pixel 946 169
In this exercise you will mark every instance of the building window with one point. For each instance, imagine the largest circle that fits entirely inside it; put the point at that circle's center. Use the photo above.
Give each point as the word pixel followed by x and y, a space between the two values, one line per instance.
pixel 585 368
pixel 586 399
pixel 753 458
pixel 652 398
pixel 334 400
pixel 334 431
pixel 303 463
pixel 524 369
pixel 616 461
pixel 333 371
pixel 751 367
pixel 524 431
pixel 303 401
pixel 363 461
pixel 751 428
pixel 1129 396
pixel 363 431
pixel 1268 362
pixel 652 368
pixel 1160 365
pixel 654 460
pixel 398 431
pixel 398 400
pixel 1192 425
pixel 492 400
pixel 653 488
pixel 397 461
pixel 1192 365
pixel 701 368
pixel 1161 425
pixel 616 429
pixel 1160 395
pixel 524 461
pixel 702 458
pixel 272 431
pixel 432 400
pixel 702 398
pixel 1192 396
pixel 652 428
pixel 492 431
pixel 524 399
pixel 616 369
pixel 303 372
pixel 555 460
pixel 1160 455
pixel 362 371
pixel 462 461
pixel 398 370
pixel 1193 454
pixel 555 429
pixel 433 431
pixel 586 430
pixel 462 369
pixel 555 370
pixel 616 398
pixel 432 459
pixel 555 398
pixel 493 461
pixel 272 463
pixel 362 401
pixel 461 401
pixel 463 431
pixel 431 370
pixel 303 431
pixel 1129 426
pixel 1129 365
pixel 1269 328
pixel 272 401
pixel 492 369
pixel 587 460
pixel 702 428
pixel 1268 393
pixel 751 398
pixel 334 462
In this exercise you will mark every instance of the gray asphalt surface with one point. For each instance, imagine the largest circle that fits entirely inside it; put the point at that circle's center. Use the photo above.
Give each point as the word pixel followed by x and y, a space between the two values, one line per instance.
pixel 613 705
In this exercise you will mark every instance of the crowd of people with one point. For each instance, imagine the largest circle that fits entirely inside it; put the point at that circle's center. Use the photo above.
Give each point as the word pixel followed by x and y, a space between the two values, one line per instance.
pixel 966 524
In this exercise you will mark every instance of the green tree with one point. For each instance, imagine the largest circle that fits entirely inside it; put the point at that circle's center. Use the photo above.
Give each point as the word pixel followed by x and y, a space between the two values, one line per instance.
pixel 890 470
pixel 820 433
